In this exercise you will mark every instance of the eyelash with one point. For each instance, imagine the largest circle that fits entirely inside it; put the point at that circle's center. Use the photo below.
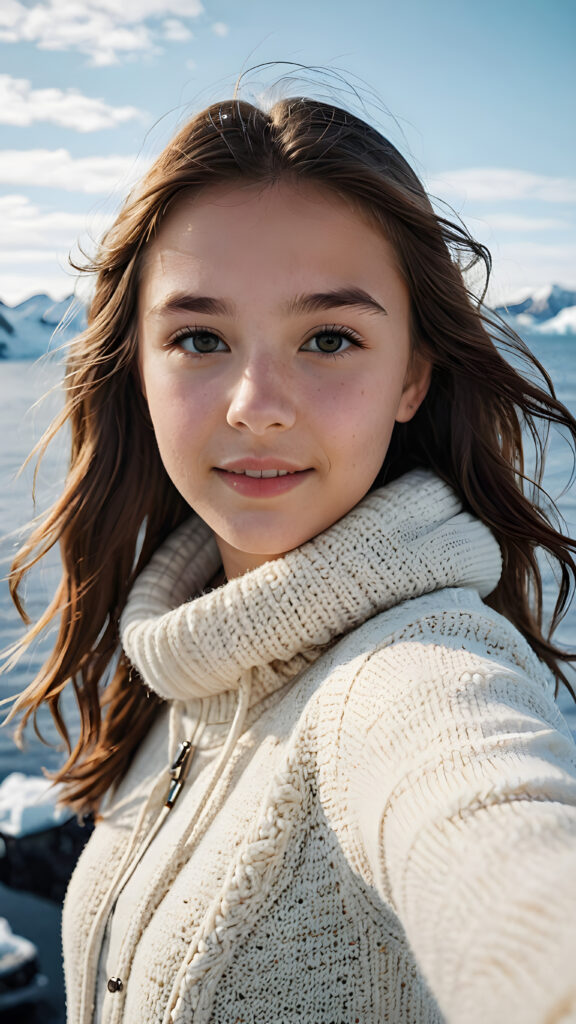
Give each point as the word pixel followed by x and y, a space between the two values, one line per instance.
pixel 345 332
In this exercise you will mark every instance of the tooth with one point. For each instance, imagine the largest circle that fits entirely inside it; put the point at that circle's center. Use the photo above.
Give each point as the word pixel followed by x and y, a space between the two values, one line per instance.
pixel 264 473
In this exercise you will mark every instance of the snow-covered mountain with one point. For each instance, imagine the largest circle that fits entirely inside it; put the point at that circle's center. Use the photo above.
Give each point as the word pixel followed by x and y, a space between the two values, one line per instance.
pixel 38 325
pixel 549 310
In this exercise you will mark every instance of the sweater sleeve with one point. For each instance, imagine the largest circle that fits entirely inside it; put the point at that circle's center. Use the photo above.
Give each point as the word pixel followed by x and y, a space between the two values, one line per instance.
pixel 462 786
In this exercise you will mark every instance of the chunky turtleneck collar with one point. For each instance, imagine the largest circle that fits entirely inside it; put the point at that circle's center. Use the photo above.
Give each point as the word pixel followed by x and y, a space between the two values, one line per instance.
pixel 406 539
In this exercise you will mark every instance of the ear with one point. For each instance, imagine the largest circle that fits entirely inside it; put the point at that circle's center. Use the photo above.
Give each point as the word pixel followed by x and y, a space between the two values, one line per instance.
pixel 416 386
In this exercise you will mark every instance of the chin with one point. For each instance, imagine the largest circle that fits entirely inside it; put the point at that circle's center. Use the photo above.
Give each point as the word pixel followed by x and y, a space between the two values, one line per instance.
pixel 259 549
pixel 263 551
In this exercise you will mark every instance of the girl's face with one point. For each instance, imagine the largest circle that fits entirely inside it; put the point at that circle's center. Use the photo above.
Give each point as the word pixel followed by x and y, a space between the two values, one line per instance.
pixel 274 354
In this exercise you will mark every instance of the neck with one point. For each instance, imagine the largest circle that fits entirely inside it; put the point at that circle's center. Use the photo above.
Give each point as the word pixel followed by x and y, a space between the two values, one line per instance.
pixel 236 563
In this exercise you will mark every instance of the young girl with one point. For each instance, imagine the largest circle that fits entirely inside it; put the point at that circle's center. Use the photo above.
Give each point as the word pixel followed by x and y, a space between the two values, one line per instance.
pixel 331 780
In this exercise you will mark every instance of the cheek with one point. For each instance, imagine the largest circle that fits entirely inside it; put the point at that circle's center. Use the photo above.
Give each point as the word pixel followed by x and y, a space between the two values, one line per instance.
pixel 177 418
pixel 364 420
pixel 171 401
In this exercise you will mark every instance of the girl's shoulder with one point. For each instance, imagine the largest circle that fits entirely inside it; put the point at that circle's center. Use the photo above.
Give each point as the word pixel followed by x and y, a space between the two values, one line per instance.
pixel 444 660
pixel 434 634
pixel 441 695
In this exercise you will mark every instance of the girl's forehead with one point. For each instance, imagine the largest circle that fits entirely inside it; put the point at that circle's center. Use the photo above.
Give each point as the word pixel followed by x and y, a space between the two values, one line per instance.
pixel 242 205
pixel 228 231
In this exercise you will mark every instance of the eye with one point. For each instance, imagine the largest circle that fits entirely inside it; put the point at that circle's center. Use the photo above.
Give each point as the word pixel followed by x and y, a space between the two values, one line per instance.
pixel 332 341
pixel 198 341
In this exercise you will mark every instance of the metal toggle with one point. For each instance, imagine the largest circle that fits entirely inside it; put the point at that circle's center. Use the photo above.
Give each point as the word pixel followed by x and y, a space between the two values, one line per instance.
pixel 178 772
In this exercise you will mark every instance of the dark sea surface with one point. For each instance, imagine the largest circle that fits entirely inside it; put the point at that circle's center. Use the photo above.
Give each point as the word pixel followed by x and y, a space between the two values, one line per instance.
pixel 22 420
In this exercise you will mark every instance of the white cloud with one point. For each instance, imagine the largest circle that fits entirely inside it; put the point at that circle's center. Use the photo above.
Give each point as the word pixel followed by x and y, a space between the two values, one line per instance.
pixel 26 226
pixel 20 104
pixel 56 168
pixel 176 31
pixel 100 35
pixel 529 264
pixel 526 225
pixel 36 243
pixel 35 257
pixel 46 278
pixel 10 13
pixel 489 184
pixel 137 10
pixel 486 198
pixel 104 30
pixel 219 28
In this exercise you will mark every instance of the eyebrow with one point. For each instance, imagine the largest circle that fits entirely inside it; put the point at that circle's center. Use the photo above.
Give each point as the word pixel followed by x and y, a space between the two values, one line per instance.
pixel 339 297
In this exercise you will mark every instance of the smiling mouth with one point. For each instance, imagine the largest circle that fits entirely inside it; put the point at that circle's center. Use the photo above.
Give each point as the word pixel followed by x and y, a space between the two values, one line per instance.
pixel 261 483
pixel 259 473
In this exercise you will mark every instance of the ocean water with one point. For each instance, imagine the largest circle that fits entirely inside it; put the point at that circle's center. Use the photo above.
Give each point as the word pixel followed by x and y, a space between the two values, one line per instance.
pixel 22 420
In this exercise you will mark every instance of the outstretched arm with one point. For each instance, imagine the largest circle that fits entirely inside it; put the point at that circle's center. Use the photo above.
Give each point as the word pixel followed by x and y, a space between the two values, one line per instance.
pixel 464 796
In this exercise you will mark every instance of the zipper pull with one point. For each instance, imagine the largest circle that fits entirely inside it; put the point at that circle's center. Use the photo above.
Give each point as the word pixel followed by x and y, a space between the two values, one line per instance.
pixel 178 772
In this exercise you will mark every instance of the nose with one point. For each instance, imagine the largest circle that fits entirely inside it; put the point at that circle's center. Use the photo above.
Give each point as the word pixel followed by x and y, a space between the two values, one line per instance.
pixel 262 399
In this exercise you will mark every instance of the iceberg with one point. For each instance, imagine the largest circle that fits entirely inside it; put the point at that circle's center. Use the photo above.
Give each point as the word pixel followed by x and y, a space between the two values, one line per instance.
pixel 563 323
pixel 548 310
pixel 28 804
pixel 39 325
pixel 40 840
pixel 20 981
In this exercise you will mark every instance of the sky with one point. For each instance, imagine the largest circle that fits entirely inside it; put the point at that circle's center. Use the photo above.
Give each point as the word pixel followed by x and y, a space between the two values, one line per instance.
pixel 480 98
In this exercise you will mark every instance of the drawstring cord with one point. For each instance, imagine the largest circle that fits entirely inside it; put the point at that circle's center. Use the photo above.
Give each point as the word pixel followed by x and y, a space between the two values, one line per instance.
pixel 181 852
pixel 244 691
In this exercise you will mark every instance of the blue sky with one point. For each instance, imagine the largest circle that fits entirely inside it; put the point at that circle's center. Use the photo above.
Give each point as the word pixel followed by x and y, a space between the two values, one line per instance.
pixel 479 97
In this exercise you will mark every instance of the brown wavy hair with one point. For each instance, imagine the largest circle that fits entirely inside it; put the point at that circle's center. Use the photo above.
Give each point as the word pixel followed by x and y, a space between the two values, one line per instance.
pixel 118 503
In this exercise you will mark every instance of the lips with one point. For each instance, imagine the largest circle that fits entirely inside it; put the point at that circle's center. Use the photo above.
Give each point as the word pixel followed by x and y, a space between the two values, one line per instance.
pixel 254 479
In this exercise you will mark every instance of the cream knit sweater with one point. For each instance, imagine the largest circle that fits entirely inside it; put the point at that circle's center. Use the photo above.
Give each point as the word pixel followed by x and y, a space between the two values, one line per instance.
pixel 378 821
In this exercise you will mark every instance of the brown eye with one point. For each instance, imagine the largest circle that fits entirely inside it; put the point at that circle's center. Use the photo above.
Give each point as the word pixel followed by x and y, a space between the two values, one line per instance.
pixel 199 342
pixel 330 342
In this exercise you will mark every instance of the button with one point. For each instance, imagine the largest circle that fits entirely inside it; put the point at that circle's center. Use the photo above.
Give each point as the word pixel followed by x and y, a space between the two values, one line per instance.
pixel 115 985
